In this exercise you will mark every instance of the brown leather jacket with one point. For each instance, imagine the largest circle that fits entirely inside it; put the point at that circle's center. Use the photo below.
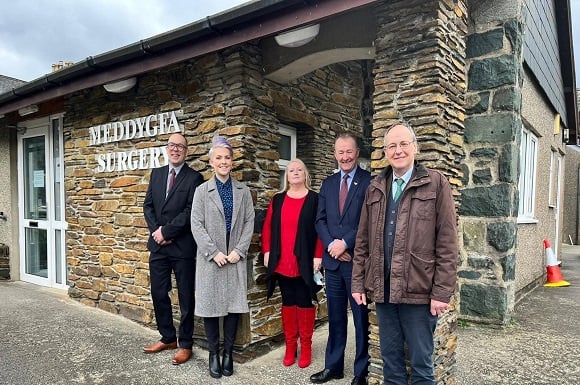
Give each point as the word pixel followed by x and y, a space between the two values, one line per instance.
pixel 424 262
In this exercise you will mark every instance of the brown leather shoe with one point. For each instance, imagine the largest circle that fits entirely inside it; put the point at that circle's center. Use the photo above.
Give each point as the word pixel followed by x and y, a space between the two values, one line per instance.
pixel 182 355
pixel 159 347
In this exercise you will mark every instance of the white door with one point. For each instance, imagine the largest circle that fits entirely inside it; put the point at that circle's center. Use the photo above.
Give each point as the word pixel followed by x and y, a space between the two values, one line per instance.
pixel 41 203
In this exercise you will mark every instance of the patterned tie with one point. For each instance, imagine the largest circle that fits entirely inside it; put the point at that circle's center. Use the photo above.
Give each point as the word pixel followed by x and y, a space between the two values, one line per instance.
pixel 343 193
pixel 399 191
pixel 171 181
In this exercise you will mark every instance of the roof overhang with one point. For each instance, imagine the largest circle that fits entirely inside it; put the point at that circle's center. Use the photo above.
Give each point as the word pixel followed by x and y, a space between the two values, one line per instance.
pixel 247 22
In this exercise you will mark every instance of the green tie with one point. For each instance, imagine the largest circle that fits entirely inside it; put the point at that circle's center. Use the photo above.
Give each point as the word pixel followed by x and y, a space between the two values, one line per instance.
pixel 399 191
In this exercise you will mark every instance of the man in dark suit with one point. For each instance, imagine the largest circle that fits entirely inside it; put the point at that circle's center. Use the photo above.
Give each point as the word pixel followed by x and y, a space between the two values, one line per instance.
pixel 167 210
pixel 339 206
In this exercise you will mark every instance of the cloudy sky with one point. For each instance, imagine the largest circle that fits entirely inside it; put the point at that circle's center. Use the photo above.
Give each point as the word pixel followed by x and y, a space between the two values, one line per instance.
pixel 36 34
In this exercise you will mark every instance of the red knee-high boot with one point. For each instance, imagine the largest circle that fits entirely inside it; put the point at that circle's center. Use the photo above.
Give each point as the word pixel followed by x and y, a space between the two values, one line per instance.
pixel 290 326
pixel 306 318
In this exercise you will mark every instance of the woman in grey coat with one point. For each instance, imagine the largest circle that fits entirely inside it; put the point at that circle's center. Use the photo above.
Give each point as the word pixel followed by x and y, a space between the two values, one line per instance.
pixel 222 223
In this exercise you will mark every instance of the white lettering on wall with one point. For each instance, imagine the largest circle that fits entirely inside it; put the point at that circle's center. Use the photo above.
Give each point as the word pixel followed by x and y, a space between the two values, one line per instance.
pixel 146 126
pixel 142 159
pixel 152 125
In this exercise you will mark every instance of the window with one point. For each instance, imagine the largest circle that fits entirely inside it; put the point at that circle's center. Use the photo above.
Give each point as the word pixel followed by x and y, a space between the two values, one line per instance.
pixel 527 183
pixel 286 149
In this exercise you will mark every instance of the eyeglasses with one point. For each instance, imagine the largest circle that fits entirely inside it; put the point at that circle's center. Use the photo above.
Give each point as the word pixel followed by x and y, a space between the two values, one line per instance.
pixel 176 146
pixel 393 146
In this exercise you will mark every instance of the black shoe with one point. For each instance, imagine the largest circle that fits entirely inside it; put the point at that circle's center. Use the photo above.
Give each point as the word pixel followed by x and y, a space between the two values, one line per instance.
pixel 358 381
pixel 227 364
pixel 214 365
pixel 325 375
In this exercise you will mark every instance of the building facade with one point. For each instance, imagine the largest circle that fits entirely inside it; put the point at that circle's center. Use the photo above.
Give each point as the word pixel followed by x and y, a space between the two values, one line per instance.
pixel 78 145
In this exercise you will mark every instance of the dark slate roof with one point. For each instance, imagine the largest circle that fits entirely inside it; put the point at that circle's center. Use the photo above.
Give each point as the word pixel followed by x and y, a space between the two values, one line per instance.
pixel 7 83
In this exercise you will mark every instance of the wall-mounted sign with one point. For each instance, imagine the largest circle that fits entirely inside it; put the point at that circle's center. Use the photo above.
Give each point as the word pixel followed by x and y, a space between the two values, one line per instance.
pixel 128 130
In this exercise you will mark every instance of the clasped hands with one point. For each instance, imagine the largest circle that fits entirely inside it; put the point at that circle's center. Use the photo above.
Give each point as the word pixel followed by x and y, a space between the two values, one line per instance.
pixel 221 259
pixel 158 237
pixel 337 250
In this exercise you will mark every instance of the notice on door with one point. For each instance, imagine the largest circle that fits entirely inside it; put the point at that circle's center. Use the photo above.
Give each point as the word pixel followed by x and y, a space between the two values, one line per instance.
pixel 38 178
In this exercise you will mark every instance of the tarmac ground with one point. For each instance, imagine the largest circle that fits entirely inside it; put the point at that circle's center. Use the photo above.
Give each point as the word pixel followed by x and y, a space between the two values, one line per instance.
pixel 46 338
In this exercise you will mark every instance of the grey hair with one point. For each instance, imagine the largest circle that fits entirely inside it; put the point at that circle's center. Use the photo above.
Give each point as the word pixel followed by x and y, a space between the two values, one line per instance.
pixel 404 124
pixel 221 142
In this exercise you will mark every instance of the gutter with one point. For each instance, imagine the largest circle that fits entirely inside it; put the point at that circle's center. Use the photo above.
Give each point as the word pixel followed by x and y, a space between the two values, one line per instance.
pixel 247 22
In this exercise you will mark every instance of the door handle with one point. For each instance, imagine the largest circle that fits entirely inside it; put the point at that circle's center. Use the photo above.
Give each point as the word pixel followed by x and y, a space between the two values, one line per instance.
pixel 33 224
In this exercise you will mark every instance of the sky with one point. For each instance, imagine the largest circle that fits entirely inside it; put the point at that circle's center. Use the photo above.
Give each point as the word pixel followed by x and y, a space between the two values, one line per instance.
pixel 34 34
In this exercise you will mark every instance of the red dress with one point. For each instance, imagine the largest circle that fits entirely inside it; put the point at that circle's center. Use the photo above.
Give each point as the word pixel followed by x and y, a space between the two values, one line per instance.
pixel 288 265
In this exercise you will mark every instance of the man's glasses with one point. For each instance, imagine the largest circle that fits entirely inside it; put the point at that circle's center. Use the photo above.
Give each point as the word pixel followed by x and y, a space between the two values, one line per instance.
pixel 393 147
pixel 176 146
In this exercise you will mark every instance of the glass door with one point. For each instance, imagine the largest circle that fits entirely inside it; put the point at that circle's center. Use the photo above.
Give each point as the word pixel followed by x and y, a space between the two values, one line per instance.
pixel 41 198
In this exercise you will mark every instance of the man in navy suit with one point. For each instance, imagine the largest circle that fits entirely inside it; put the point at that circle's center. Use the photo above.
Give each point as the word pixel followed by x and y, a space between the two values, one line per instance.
pixel 167 210
pixel 339 206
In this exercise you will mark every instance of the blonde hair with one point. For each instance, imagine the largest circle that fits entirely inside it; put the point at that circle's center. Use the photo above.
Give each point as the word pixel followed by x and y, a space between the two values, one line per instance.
pixel 307 181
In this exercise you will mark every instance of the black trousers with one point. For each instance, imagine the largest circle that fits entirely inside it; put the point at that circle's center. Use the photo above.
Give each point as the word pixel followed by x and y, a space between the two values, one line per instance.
pixel 160 268
pixel 212 331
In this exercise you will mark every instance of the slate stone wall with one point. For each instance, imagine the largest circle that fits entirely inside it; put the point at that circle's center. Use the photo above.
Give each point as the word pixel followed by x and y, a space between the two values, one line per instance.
pixel 489 199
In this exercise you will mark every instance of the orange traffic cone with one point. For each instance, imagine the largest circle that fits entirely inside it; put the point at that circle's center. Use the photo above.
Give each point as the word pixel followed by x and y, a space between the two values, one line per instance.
pixel 554 276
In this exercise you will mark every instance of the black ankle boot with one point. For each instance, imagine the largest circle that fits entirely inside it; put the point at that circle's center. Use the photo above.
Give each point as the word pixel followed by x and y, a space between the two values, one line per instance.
pixel 214 365
pixel 227 364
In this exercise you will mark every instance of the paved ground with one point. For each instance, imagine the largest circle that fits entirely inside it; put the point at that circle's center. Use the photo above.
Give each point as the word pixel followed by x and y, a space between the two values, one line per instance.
pixel 540 347
pixel 48 339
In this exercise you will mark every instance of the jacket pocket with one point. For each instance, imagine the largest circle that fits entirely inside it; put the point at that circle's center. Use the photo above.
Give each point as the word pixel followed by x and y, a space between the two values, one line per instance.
pixel 420 273
pixel 423 205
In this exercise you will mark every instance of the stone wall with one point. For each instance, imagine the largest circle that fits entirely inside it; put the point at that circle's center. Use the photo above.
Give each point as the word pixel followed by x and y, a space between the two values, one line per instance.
pixel 224 93
pixel 420 76
pixel 492 130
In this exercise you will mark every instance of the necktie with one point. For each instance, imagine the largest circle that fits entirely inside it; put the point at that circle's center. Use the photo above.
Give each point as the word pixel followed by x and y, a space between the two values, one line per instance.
pixel 171 180
pixel 399 191
pixel 343 193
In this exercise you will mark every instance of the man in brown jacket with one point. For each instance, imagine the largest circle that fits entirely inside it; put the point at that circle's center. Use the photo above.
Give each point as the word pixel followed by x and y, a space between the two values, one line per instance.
pixel 405 257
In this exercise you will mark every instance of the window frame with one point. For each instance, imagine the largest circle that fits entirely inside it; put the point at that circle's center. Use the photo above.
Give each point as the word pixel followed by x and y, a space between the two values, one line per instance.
pixel 289 131
pixel 527 179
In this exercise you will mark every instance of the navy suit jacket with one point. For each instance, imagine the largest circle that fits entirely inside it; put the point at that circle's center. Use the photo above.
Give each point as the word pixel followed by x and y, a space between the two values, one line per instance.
pixel 330 225
pixel 173 212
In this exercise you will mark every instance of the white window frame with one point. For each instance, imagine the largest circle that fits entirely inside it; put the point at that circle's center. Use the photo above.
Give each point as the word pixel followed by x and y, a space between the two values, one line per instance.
pixel 289 131
pixel 527 182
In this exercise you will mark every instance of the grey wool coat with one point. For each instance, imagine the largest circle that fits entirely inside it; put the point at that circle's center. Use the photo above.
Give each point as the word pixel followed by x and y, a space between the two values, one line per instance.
pixel 221 290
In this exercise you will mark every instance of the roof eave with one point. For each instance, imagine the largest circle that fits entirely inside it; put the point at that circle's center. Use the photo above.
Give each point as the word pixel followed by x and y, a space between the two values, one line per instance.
pixel 235 26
